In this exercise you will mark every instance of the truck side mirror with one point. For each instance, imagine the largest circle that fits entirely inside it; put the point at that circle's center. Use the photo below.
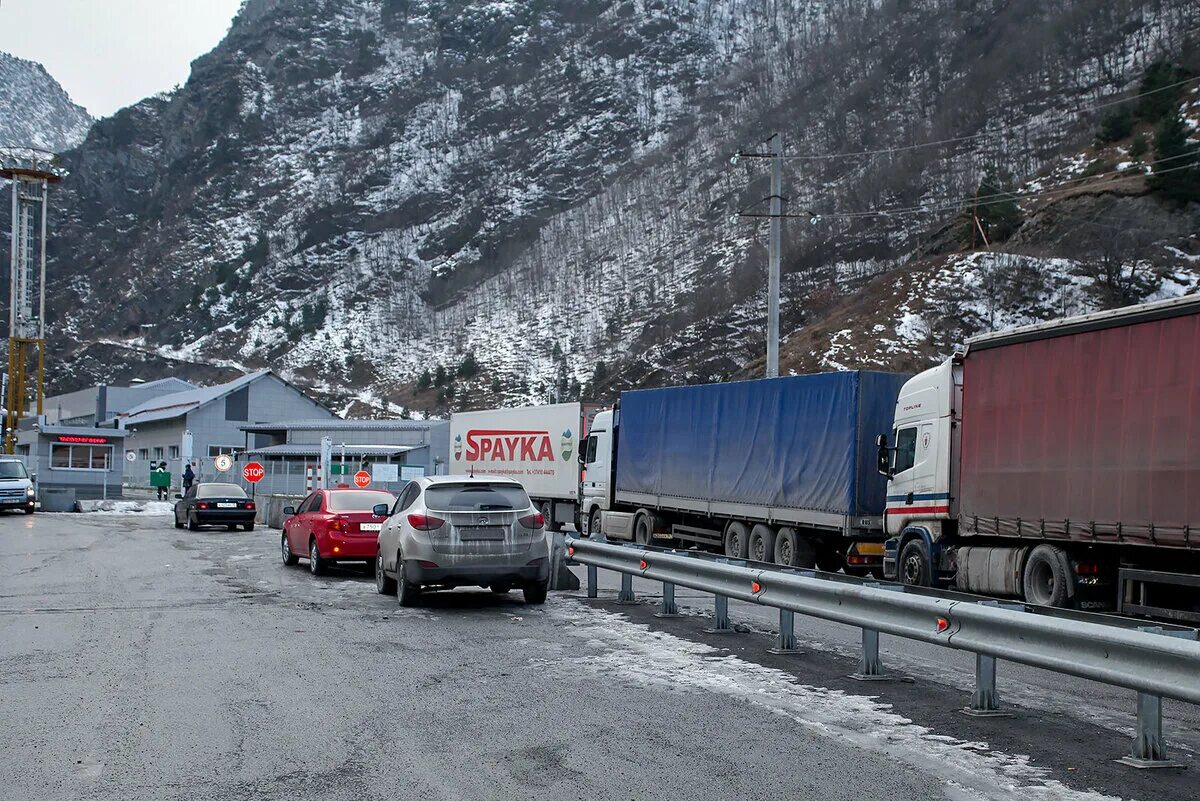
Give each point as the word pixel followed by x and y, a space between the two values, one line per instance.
pixel 583 457
pixel 884 457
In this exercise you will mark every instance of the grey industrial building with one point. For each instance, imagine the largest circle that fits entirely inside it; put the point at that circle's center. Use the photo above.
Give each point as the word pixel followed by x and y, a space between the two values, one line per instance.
pixel 214 416
pixel 287 450
pixel 102 403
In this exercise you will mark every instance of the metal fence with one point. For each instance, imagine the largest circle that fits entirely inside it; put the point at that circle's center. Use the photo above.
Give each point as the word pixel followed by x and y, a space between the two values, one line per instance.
pixel 1155 661
pixel 280 478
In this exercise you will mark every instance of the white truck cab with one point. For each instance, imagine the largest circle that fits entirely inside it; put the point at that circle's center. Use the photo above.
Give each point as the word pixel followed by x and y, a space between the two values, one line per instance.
pixel 920 467
pixel 596 458
pixel 16 488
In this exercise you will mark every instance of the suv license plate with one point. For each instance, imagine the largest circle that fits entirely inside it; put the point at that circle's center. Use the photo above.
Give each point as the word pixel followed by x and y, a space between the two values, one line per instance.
pixel 481 533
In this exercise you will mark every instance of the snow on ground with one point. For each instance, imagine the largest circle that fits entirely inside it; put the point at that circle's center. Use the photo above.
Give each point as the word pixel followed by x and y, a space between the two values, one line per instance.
pixel 636 654
pixel 126 507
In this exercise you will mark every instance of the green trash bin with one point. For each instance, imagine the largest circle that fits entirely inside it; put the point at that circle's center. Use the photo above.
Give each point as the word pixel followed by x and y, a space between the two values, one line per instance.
pixel 160 479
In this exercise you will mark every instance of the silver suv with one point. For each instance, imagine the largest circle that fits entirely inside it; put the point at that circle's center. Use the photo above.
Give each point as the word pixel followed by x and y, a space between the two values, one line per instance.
pixel 455 531
pixel 16 490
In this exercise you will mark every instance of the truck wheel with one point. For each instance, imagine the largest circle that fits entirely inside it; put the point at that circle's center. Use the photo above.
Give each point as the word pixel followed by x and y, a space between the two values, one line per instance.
pixel 792 550
pixel 829 558
pixel 594 525
pixel 643 530
pixel 914 567
pixel 547 511
pixel 1047 577
pixel 737 540
pixel 762 543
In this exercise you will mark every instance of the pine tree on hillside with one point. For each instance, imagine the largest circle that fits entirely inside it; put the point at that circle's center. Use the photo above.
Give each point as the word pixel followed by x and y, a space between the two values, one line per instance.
pixel 995 208
pixel 1159 95
pixel 1176 170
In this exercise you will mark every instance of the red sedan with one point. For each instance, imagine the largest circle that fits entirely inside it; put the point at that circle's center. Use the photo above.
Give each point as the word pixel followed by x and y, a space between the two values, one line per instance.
pixel 332 526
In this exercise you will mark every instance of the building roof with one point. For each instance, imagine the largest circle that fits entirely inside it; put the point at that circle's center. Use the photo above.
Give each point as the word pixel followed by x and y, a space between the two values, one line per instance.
pixel 314 449
pixel 52 430
pixel 338 424
pixel 163 383
pixel 177 404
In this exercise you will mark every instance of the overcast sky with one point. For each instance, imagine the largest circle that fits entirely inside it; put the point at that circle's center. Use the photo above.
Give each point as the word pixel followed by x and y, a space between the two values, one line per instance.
pixel 109 54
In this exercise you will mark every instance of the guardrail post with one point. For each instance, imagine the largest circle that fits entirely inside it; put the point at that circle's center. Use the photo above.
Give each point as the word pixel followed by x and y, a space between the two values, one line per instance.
pixel 1149 750
pixel 626 594
pixel 720 616
pixel 985 701
pixel 870 668
pixel 668 607
pixel 786 642
pixel 593 583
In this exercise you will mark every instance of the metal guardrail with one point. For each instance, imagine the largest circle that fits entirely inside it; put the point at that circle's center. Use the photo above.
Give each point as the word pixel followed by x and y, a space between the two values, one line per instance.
pixel 1156 663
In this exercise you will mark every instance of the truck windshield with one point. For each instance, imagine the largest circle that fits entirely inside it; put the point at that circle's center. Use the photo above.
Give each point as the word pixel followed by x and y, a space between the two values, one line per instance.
pixel 475 497
pixel 12 470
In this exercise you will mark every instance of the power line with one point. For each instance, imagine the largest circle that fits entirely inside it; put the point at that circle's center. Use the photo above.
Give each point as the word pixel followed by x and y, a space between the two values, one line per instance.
pixel 957 139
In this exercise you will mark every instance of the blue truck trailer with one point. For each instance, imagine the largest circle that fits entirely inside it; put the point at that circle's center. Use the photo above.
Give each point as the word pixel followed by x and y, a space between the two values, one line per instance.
pixel 779 470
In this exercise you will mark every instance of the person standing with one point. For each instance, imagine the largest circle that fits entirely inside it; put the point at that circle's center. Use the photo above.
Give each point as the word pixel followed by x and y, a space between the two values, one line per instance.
pixel 189 476
pixel 162 487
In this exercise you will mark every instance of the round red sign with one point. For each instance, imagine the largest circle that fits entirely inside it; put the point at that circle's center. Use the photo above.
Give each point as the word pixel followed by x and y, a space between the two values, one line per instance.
pixel 253 472
pixel 362 478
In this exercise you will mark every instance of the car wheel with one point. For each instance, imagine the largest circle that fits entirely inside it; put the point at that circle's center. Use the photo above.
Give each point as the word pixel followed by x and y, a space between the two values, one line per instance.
pixel 914 568
pixel 736 540
pixel 177 522
pixel 28 510
pixel 407 593
pixel 762 543
pixel 193 523
pixel 594 524
pixel 289 558
pixel 535 593
pixel 248 526
pixel 501 589
pixel 1047 579
pixel 383 584
pixel 231 526
pixel 316 565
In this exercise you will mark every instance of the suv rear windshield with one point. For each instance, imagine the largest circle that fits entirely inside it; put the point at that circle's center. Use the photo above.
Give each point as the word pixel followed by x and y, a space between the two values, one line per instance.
pixel 475 497
pixel 12 470
pixel 357 501
pixel 220 491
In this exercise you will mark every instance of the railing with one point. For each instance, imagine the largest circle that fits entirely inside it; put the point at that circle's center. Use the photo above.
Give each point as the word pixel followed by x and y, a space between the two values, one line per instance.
pixel 1155 661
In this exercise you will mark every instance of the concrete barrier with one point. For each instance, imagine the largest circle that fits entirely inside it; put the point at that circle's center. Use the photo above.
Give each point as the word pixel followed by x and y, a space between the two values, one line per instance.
pixel 270 508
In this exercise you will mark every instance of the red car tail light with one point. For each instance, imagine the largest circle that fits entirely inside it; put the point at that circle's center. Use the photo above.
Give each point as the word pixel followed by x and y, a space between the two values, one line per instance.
pixel 337 524
pixel 425 522
pixel 202 506
pixel 250 504
pixel 535 520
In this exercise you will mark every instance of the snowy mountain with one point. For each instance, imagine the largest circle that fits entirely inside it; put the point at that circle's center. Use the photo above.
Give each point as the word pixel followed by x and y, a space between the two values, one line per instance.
pixel 35 111
pixel 440 203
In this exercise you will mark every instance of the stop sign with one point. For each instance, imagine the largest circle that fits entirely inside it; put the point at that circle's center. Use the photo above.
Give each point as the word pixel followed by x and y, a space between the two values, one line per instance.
pixel 253 472
pixel 362 478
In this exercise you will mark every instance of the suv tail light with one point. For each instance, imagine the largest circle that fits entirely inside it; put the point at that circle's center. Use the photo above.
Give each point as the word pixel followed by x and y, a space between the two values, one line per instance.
pixel 535 520
pixel 425 522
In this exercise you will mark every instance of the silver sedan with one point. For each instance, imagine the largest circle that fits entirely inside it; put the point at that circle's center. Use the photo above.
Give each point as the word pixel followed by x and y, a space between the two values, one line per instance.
pixel 455 531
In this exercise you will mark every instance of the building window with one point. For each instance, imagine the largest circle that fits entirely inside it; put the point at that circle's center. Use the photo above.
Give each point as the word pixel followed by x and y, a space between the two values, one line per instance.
pixel 217 450
pixel 158 454
pixel 81 457
pixel 143 453
pixel 237 405
pixel 174 451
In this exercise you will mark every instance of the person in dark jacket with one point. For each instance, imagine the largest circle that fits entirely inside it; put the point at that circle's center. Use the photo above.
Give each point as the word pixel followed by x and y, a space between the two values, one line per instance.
pixel 188 477
pixel 163 492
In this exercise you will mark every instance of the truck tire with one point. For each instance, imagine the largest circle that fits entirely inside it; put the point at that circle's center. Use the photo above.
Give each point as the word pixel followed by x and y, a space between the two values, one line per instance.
pixel 594 525
pixel 643 529
pixel 547 510
pixel 762 543
pixel 793 550
pixel 829 558
pixel 737 540
pixel 913 568
pixel 1048 579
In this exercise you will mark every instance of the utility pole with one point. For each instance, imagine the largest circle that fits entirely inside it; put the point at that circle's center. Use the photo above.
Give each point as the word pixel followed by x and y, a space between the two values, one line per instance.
pixel 776 243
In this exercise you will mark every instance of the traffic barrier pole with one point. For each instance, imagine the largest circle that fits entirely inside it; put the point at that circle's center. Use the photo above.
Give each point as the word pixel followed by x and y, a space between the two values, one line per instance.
pixel 626 595
pixel 786 642
pixel 593 582
pixel 720 616
pixel 1149 749
pixel 668 608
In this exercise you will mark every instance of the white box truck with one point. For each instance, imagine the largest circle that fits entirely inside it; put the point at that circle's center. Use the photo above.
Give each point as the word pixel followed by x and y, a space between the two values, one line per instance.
pixel 536 445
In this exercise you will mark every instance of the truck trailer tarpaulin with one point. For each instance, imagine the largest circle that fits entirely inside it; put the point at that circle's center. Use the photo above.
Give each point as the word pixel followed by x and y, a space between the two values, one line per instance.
pixel 1088 432
pixel 796 442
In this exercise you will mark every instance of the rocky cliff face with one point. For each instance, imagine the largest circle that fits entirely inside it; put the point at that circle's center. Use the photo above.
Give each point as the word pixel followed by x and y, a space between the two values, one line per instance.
pixel 35 111
pixel 534 195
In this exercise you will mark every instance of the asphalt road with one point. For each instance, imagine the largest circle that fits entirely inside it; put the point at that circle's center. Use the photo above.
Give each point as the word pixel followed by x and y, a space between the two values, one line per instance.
pixel 142 662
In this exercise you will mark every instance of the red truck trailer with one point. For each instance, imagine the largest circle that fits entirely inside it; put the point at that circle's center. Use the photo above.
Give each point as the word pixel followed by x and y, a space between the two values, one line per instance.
pixel 1058 463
